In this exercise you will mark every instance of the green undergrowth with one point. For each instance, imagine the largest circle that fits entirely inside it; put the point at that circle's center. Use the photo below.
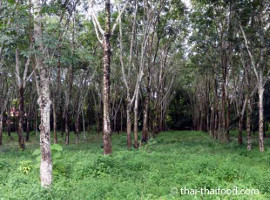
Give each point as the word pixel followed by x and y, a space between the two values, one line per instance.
pixel 158 170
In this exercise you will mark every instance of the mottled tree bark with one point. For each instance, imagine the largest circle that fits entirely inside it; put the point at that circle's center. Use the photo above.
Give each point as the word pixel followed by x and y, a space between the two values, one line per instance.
pixel 106 81
pixel 228 136
pixel 1 128
pixel 67 127
pixel 21 118
pixel 212 121
pixel 146 109
pixel 240 128
pixel 136 120
pixel 261 118
pixel 129 141
pixel 77 125
pixel 55 139
pixel 249 144
pixel 8 125
pixel 44 101
pixel 27 128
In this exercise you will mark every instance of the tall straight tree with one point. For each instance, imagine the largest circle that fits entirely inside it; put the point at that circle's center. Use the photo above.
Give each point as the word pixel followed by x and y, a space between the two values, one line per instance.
pixel 104 38
pixel 44 101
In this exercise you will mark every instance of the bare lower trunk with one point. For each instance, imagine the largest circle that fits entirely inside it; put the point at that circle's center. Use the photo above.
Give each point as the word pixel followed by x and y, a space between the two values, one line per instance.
pixel 212 122
pixel 136 121
pixel 240 128
pixel 45 142
pixel 261 91
pixel 228 137
pixel 66 129
pixel 129 141
pixel 83 121
pixel 55 139
pixel 145 120
pixel 115 123
pixel 121 125
pixel 8 125
pixel 77 128
pixel 27 128
pixel 44 102
pixel 1 128
pixel 248 125
pixel 106 82
pixel 21 115
pixel 145 115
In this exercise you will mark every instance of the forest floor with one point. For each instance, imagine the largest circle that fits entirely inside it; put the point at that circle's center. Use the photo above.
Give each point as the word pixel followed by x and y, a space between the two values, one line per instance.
pixel 158 170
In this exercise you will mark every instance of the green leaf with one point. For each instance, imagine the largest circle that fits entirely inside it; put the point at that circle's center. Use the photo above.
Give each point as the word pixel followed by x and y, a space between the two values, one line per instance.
pixel 11 1
pixel 56 147
pixel 38 158
pixel 36 152
pixel 56 155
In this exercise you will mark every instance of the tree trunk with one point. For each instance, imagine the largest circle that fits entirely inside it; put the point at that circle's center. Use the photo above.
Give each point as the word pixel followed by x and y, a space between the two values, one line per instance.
pixel 240 128
pixel 8 125
pixel 67 127
pixel 129 140
pixel 77 124
pixel 83 121
pixel 45 142
pixel 21 116
pixel 136 120
pixel 248 125
pixel 44 103
pixel 261 118
pixel 146 109
pixel 1 128
pixel 27 128
pixel 121 125
pixel 55 139
pixel 106 82
pixel 145 120
pixel 228 138
pixel 212 122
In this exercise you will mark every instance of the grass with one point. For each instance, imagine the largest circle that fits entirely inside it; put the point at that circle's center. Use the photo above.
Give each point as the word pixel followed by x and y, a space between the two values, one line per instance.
pixel 158 170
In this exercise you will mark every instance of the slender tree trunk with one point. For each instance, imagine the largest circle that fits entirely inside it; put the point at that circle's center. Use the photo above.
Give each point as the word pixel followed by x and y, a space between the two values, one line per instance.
pixel 136 120
pixel 121 128
pixel 8 125
pixel 248 125
pixel 77 124
pixel 106 81
pixel 145 120
pixel 44 103
pixel 129 140
pixel 228 137
pixel 223 113
pixel 146 109
pixel 97 122
pixel 240 128
pixel 55 139
pixel 261 118
pixel 21 116
pixel 212 122
pixel 36 122
pixel 1 128
pixel 67 127
pixel 83 121
pixel 27 128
